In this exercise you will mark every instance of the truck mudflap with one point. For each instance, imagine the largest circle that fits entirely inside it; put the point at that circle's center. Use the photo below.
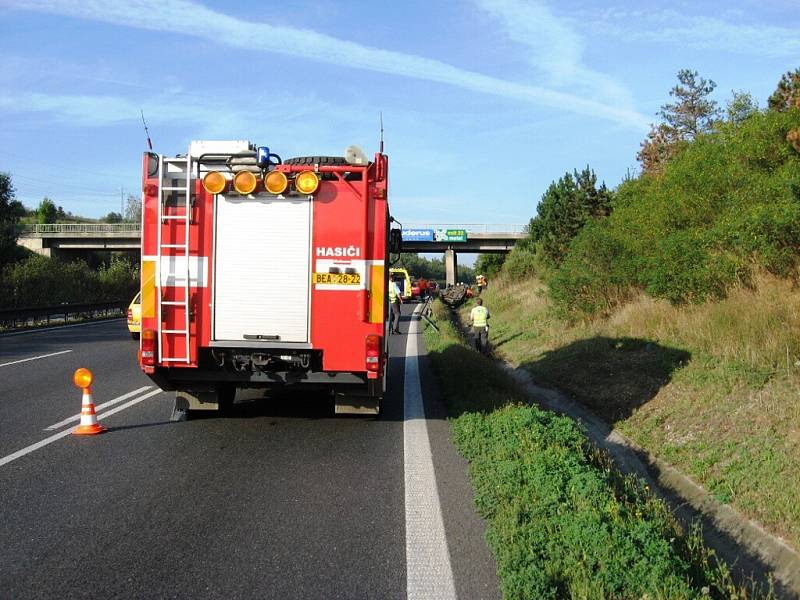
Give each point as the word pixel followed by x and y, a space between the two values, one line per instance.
pixel 360 401
pixel 189 402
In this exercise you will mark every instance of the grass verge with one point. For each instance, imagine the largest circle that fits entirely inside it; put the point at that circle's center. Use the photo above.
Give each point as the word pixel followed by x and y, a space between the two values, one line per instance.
pixel 711 388
pixel 562 521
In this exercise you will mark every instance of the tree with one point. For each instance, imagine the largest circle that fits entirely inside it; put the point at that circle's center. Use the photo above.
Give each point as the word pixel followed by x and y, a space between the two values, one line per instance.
pixel 133 209
pixel 659 147
pixel 741 107
pixel 419 266
pixel 11 210
pixel 787 94
pixel 112 217
pixel 693 112
pixel 565 208
pixel 47 211
pixel 489 264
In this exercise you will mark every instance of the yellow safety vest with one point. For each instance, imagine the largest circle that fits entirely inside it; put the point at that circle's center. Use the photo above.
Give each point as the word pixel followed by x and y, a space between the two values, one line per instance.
pixel 392 292
pixel 479 315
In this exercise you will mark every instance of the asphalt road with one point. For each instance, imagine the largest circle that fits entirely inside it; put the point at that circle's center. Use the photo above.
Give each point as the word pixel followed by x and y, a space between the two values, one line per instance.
pixel 278 500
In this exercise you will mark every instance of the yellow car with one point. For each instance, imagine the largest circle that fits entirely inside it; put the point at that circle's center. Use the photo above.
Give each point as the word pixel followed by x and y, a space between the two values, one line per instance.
pixel 403 281
pixel 135 316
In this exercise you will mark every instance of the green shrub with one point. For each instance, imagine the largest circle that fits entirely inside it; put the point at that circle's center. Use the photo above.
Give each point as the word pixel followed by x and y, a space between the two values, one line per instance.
pixel 596 275
pixel 729 201
pixel 42 281
pixel 685 269
pixel 119 279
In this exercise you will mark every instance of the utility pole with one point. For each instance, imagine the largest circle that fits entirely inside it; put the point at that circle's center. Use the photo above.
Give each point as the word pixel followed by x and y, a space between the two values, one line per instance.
pixel 121 202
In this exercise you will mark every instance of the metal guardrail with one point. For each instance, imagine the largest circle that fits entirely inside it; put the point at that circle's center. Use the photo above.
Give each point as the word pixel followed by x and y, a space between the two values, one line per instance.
pixel 472 227
pixel 22 317
pixel 81 228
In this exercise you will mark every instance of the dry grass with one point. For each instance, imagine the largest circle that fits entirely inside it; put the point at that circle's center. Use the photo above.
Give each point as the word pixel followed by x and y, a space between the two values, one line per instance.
pixel 712 388
pixel 758 327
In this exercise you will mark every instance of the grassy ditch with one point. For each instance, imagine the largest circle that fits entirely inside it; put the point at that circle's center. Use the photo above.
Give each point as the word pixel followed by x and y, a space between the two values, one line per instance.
pixel 562 522
pixel 711 388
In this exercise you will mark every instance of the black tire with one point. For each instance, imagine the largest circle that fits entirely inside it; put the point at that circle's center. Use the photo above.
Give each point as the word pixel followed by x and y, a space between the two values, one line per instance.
pixel 134 335
pixel 316 160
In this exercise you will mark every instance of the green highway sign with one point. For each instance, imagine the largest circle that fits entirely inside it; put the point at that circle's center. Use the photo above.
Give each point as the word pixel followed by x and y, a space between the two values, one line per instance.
pixel 450 235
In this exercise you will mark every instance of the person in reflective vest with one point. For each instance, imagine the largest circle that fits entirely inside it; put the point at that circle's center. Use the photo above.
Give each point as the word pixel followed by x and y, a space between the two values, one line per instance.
pixel 480 280
pixel 395 299
pixel 479 319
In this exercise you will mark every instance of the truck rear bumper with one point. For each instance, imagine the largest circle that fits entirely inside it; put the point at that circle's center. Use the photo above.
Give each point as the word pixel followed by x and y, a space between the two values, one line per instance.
pixel 176 379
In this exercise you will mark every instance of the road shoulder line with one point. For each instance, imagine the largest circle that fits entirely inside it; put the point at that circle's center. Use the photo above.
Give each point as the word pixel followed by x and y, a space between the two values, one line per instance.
pixel 429 575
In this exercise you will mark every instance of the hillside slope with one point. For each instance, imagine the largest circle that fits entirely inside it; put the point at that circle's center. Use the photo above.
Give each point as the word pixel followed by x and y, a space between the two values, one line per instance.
pixel 712 388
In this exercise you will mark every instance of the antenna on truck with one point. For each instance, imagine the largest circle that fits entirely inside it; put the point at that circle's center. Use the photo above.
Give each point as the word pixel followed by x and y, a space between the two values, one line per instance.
pixel 381 113
pixel 147 133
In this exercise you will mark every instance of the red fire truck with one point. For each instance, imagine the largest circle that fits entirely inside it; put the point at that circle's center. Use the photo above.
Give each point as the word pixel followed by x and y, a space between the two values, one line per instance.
pixel 258 272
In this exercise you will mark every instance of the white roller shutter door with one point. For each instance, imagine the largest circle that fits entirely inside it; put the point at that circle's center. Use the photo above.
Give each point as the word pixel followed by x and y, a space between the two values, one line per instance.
pixel 262 268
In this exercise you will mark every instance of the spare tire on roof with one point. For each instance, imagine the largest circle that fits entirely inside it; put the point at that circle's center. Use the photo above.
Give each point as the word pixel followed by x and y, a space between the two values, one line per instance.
pixel 316 160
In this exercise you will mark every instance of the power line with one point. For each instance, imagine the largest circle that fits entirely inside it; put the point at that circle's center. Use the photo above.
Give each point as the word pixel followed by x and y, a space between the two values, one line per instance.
pixel 43 182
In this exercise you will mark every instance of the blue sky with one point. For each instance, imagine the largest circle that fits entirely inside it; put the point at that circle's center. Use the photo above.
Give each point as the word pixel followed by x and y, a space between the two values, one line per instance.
pixel 485 102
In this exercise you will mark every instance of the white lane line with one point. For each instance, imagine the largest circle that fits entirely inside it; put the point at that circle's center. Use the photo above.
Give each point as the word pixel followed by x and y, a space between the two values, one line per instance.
pixel 16 362
pixel 46 329
pixel 98 407
pixel 61 434
pixel 428 572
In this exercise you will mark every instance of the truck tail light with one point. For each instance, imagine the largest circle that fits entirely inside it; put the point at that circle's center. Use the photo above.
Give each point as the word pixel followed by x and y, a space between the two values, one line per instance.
pixel 148 348
pixel 373 352
pixel 306 182
pixel 245 182
pixel 215 182
pixel 276 182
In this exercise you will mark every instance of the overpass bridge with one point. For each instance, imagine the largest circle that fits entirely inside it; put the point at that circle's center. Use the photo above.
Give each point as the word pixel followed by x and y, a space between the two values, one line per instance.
pixel 54 239
pixel 57 239
pixel 478 238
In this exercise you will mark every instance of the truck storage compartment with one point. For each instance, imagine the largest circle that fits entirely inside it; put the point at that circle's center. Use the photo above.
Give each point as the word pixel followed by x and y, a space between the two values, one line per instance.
pixel 261 268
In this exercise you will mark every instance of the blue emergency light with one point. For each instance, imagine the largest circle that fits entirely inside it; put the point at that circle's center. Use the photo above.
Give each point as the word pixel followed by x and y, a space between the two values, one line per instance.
pixel 263 156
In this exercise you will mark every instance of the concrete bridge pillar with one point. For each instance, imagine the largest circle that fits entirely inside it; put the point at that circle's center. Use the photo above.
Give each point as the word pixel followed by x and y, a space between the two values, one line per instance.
pixel 450 267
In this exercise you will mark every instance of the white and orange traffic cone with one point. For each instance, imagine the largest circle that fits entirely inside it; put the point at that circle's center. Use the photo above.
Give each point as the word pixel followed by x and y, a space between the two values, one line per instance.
pixel 89 425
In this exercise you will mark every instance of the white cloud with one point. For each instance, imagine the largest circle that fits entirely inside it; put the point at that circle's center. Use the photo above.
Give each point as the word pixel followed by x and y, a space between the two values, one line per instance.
pixel 189 18
pixel 729 34
pixel 555 48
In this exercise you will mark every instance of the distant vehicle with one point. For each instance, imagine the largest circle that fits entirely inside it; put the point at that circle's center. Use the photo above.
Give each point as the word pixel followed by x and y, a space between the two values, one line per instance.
pixel 403 282
pixel 135 316
pixel 421 288
pixel 264 273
